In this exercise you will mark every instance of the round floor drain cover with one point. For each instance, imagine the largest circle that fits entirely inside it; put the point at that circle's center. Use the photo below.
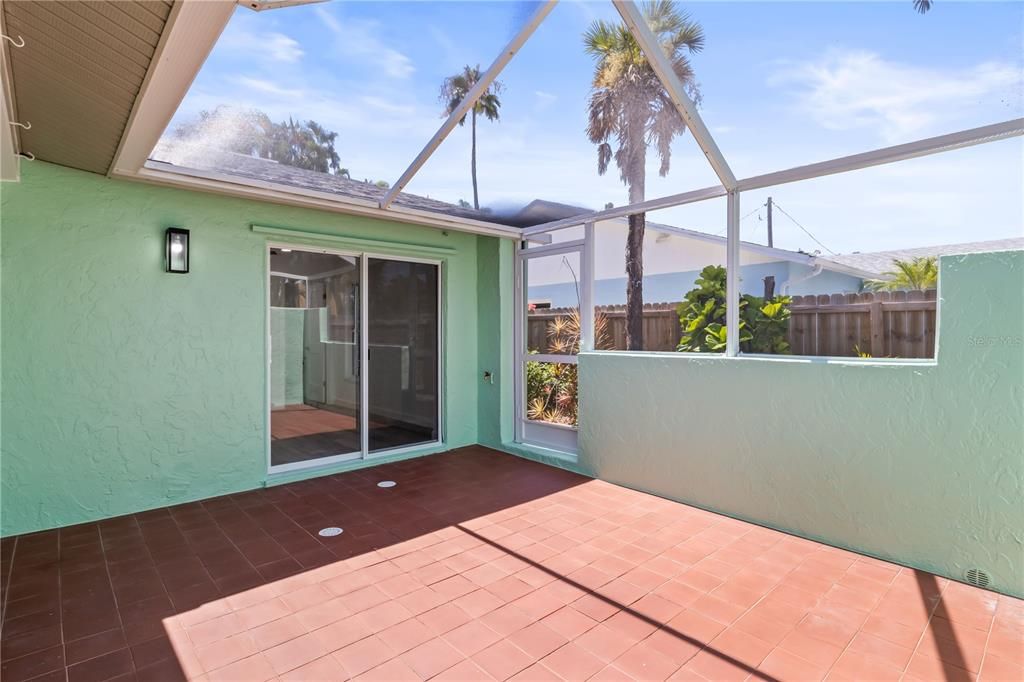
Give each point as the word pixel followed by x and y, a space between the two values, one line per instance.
pixel 330 532
pixel 386 484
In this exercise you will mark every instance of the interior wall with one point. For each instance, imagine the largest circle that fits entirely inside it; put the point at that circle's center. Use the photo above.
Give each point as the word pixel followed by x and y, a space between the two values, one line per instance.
pixel 286 343
pixel 921 463
pixel 127 388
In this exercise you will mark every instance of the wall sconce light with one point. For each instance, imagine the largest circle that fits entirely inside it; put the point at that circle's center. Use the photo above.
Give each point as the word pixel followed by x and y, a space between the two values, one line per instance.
pixel 177 250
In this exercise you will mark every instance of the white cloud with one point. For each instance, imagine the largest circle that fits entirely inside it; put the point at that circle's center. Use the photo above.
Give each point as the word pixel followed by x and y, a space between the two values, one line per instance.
pixel 544 99
pixel 450 53
pixel 267 45
pixel 358 38
pixel 850 89
pixel 269 87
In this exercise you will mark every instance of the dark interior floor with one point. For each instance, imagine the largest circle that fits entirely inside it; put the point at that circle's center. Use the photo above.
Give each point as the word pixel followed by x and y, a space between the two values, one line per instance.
pixel 302 432
pixel 477 566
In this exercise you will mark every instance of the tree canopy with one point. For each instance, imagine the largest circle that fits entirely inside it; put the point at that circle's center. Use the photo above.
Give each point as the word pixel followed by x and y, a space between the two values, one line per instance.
pixel 306 144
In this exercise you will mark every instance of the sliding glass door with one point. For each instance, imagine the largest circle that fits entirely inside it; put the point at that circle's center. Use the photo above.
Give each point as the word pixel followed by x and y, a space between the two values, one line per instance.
pixel 354 346
pixel 402 327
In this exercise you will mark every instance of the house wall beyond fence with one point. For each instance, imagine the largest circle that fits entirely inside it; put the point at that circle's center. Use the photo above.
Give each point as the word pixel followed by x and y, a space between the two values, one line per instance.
pixel 286 342
pixel 916 462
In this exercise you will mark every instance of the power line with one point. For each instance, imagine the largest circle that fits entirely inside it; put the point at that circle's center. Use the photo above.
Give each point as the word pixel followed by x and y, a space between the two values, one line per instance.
pixel 806 231
pixel 723 231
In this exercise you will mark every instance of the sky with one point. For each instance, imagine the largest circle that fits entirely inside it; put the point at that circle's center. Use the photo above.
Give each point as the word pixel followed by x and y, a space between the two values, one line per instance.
pixel 782 84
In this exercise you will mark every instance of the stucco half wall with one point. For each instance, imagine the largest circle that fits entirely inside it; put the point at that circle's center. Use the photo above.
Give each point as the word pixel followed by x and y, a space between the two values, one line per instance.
pixel 917 462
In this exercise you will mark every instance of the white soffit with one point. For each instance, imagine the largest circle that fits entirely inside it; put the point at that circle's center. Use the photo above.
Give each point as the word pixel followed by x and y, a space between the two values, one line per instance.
pixel 192 30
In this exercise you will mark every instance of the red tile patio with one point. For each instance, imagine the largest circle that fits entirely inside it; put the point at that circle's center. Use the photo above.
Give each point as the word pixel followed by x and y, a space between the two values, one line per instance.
pixel 478 566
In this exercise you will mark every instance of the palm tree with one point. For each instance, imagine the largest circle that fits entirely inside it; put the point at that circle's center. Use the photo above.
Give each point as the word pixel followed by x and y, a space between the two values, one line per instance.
pixel 917 274
pixel 922 6
pixel 630 108
pixel 454 90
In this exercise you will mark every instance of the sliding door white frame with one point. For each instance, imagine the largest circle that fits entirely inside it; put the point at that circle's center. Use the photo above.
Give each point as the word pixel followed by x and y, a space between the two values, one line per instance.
pixel 363 338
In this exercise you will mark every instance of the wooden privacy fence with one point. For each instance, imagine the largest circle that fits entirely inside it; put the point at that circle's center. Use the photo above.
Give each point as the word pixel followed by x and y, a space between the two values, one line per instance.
pixel 897 324
pixel 661 326
pixel 883 324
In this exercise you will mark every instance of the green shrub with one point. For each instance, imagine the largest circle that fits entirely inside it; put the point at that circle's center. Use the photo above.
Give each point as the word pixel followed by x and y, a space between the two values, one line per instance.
pixel 764 325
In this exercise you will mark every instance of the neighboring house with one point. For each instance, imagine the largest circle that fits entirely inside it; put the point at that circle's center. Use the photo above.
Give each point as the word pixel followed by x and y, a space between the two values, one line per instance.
pixel 673 259
pixel 881 262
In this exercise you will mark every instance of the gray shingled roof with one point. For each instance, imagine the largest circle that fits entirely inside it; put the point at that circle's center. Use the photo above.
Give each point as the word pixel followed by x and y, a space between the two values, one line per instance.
pixel 882 261
pixel 268 170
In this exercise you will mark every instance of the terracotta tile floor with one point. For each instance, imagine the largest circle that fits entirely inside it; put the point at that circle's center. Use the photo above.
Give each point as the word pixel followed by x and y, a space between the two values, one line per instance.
pixel 478 565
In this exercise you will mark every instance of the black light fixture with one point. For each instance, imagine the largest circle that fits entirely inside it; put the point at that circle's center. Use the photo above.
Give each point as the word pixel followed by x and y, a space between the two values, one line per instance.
pixel 177 250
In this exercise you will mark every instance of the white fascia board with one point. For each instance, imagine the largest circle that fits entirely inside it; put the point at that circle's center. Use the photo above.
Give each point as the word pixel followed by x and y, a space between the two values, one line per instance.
pixel 192 30
pixel 749 247
pixel 264 5
pixel 469 101
pixel 662 67
pixel 763 250
pixel 158 173
pixel 842 269
pixel 878 157
pixel 10 162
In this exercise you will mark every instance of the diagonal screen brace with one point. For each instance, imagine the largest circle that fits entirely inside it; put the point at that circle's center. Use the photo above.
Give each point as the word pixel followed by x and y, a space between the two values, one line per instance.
pixel 470 100
pixel 659 61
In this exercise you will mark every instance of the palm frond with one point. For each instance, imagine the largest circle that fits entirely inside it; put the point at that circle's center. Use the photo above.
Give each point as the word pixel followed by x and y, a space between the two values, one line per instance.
pixel 916 274
pixel 455 88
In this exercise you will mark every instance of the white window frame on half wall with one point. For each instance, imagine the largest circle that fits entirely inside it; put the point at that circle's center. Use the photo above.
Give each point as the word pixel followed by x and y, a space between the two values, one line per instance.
pixel 561 439
pixel 364 387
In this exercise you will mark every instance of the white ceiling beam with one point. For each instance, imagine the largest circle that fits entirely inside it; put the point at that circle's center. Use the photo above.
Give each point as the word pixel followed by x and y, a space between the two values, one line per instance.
pixel 469 101
pixel 878 157
pixel 901 152
pixel 622 211
pixel 662 67
pixel 190 34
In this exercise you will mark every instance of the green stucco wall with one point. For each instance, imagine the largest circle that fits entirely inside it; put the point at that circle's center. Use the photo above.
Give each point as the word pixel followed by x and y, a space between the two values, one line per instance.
pixel 917 463
pixel 287 335
pixel 495 258
pixel 125 388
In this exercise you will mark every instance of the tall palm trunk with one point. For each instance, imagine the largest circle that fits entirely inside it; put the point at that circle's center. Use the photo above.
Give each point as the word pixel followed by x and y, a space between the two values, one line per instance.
pixel 635 256
pixel 476 197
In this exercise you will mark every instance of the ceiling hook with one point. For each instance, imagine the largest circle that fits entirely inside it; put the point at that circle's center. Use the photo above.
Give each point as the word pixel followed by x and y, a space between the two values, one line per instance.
pixel 17 43
pixel 26 126
pixel 28 156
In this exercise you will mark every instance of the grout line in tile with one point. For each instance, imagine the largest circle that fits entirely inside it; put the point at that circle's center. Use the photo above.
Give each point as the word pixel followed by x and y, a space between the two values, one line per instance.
pixel 7 581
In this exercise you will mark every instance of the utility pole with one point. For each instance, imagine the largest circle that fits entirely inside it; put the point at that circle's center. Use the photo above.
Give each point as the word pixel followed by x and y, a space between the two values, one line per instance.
pixel 769 222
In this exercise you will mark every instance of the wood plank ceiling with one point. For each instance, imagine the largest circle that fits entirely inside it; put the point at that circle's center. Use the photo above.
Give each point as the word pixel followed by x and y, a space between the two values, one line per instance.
pixel 79 73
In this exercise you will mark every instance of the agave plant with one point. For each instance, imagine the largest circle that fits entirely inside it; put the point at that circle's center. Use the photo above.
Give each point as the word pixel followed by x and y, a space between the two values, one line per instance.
pixel 551 386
